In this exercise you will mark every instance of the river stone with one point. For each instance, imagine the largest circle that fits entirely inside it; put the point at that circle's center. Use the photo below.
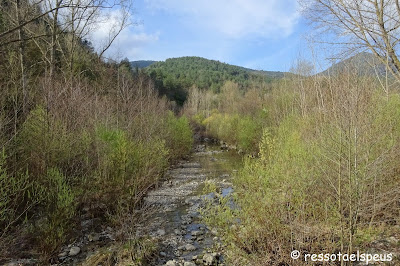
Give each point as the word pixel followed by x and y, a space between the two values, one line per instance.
pixel 163 254
pixel 171 263
pixel 196 233
pixel 93 237
pixel 161 232
pixel 190 247
pixel 209 259
pixel 62 254
pixel 74 251
pixel 188 263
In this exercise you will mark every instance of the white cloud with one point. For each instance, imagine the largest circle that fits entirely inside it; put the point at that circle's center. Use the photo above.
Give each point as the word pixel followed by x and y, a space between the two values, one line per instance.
pixel 129 42
pixel 235 18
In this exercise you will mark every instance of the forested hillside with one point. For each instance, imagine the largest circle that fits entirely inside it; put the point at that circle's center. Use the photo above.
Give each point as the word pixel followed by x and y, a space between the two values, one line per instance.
pixel 366 64
pixel 141 63
pixel 176 75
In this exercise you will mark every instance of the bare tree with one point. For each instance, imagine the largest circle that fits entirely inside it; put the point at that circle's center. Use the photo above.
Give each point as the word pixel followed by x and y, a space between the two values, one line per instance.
pixel 360 25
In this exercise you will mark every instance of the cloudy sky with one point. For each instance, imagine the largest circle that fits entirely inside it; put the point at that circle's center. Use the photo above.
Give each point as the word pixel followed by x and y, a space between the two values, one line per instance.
pixel 259 34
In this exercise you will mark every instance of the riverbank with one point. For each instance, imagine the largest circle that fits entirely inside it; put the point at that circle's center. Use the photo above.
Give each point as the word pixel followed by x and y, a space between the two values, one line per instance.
pixel 168 228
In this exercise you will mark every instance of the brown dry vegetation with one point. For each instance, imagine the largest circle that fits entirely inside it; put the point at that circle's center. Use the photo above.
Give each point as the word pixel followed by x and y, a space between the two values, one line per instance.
pixel 75 133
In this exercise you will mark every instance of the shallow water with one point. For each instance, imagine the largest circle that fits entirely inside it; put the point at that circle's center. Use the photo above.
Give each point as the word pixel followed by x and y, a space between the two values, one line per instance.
pixel 176 221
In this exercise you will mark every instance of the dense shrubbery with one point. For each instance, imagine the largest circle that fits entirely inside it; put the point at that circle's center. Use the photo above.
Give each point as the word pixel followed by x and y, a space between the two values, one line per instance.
pixel 232 116
pixel 75 133
pixel 240 131
pixel 60 169
pixel 325 175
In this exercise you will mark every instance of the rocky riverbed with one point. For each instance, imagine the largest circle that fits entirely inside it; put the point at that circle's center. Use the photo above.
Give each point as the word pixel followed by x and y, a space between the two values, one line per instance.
pixel 173 214
pixel 183 239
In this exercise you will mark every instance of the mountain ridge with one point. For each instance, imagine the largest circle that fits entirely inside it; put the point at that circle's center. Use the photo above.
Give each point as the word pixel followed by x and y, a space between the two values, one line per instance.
pixel 363 63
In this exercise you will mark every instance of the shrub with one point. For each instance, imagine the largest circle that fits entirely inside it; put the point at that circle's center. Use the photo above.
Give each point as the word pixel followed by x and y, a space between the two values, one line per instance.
pixel 248 133
pixel 126 168
pixel 18 195
pixel 179 136
pixel 60 207
pixel 323 181
pixel 45 142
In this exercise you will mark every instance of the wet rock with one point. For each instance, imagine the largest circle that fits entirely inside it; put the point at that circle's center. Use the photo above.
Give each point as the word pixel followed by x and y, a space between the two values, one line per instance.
pixel 209 259
pixel 163 254
pixel 62 254
pixel 110 236
pixel 171 263
pixel 86 223
pixel 189 263
pixel 22 262
pixel 190 247
pixel 196 233
pixel 74 251
pixel 93 237
pixel 200 148
pixel 160 232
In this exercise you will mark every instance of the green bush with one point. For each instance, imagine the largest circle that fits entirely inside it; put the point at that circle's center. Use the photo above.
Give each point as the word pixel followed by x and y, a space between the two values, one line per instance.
pixel 45 142
pixel 60 207
pixel 243 131
pixel 179 136
pixel 222 126
pixel 248 133
pixel 126 167
pixel 18 195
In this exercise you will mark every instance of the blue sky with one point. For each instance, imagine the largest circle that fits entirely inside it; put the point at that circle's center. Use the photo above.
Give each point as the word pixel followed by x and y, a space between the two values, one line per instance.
pixel 259 34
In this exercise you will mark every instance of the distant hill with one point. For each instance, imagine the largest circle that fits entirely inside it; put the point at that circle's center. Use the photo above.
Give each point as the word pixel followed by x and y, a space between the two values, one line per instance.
pixel 205 73
pixel 364 63
pixel 142 63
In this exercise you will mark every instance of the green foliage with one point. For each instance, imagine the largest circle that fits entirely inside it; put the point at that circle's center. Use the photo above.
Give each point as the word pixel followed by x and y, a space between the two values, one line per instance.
pixel 60 207
pixel 18 195
pixel 116 154
pixel 59 158
pixel 174 76
pixel 179 136
pixel 248 133
pixel 243 131
pixel 45 142
pixel 302 190
pixel 126 167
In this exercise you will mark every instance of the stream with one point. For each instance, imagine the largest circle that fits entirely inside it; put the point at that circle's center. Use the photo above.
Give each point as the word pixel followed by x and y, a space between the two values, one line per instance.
pixel 176 220
pixel 171 214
